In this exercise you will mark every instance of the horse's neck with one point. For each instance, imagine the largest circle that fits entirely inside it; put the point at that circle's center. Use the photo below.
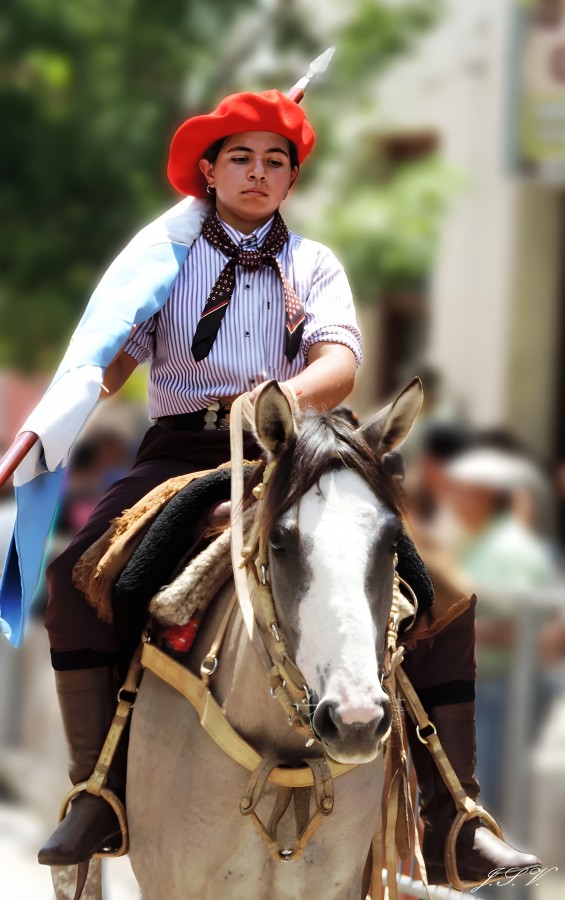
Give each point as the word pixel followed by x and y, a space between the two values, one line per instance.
pixel 241 686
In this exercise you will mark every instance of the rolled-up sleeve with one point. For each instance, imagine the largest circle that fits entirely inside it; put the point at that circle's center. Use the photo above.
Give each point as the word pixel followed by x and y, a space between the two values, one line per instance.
pixel 330 313
pixel 140 343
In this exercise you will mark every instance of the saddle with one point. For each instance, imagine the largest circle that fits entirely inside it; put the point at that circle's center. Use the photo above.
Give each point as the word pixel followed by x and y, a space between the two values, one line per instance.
pixel 155 532
pixel 149 545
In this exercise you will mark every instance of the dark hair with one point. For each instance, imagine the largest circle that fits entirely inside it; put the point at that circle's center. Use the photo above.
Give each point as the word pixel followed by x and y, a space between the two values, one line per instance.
pixel 212 152
pixel 325 443
pixel 443 441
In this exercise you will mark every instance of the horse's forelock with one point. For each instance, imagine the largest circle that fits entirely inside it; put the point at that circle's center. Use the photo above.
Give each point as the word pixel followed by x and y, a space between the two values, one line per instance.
pixel 325 443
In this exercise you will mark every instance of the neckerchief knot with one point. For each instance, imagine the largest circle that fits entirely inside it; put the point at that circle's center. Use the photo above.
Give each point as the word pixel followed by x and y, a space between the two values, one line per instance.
pixel 250 259
pixel 222 291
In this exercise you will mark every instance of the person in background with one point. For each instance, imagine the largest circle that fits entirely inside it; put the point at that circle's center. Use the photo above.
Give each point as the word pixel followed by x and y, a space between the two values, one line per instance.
pixel 503 558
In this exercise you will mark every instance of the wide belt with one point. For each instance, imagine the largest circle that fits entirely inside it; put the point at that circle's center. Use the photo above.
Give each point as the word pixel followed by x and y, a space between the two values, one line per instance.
pixel 214 417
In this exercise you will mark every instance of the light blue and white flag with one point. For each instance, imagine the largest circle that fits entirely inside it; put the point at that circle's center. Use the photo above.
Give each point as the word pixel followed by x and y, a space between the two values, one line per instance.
pixel 135 287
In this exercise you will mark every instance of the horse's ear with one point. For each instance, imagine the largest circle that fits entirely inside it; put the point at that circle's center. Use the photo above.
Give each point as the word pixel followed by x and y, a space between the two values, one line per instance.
pixel 388 428
pixel 274 421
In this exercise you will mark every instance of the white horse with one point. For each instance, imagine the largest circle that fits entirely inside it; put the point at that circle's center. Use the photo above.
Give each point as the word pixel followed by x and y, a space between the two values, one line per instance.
pixel 333 516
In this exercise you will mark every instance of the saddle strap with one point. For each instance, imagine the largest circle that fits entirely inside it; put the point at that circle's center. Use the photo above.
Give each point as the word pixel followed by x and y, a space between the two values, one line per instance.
pixel 96 784
pixel 466 807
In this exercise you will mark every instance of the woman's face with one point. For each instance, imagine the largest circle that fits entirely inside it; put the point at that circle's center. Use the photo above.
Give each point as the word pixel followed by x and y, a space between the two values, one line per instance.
pixel 251 176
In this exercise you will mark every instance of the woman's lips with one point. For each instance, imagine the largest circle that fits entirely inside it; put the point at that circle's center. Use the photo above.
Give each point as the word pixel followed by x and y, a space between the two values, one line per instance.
pixel 256 193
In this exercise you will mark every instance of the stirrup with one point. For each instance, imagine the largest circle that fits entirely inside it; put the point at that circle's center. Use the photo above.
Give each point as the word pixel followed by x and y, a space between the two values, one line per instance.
pixel 450 853
pixel 116 804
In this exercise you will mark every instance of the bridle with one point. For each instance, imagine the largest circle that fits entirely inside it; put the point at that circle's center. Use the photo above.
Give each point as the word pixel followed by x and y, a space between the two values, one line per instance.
pixel 251 573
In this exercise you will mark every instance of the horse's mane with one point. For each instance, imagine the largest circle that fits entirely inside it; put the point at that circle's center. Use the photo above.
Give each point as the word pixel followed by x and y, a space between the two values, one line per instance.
pixel 325 443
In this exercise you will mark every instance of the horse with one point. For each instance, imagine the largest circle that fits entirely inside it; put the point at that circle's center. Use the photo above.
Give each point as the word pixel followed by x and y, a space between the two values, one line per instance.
pixel 332 515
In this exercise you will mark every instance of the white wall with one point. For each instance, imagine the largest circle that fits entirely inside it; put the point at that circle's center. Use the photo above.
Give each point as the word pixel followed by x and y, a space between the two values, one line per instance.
pixel 487 275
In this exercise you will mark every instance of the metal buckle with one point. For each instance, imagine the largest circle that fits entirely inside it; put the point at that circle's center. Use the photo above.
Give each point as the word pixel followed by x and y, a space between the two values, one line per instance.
pixel 424 740
pixel 208 666
pixel 128 696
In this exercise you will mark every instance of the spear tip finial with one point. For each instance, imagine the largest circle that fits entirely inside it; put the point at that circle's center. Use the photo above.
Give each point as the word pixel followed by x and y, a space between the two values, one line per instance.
pixel 316 67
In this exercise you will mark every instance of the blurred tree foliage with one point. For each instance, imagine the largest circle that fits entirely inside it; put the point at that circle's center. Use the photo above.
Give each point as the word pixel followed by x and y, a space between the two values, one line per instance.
pixel 91 91
pixel 388 233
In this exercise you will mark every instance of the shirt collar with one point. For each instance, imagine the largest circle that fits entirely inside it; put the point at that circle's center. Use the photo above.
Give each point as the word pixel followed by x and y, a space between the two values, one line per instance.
pixel 254 238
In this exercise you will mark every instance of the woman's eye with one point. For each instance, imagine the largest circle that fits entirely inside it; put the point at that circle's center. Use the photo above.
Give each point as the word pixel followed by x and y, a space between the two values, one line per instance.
pixel 239 159
pixel 276 163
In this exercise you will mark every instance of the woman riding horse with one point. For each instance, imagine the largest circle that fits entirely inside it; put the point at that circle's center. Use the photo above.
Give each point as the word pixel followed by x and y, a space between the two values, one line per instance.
pixel 252 302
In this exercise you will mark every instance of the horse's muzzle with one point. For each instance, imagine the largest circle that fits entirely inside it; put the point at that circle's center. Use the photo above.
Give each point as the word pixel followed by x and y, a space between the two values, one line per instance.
pixel 352 741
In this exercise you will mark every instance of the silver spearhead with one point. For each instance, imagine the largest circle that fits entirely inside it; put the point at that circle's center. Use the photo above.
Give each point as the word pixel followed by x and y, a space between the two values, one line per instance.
pixel 316 67
pixel 321 63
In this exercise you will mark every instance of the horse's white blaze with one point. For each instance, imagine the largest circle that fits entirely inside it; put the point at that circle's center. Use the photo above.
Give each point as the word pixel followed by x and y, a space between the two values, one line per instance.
pixel 337 645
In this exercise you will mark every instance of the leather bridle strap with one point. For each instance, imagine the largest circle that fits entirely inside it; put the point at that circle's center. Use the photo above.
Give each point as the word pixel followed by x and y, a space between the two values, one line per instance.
pixel 253 593
pixel 240 573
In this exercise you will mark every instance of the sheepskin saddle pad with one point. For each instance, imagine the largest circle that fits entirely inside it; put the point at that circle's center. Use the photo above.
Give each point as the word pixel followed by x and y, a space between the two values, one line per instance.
pixel 191 591
pixel 176 535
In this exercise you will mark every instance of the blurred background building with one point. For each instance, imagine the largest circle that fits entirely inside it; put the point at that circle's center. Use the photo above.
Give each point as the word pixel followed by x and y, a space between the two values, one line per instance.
pixel 439 181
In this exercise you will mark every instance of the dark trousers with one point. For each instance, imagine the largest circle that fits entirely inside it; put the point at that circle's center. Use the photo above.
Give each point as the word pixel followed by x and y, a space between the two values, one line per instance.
pixel 76 634
pixel 443 670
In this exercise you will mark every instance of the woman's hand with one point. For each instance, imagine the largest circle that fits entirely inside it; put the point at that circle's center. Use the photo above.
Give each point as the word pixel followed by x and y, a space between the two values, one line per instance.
pixel 117 373
pixel 292 395
pixel 325 382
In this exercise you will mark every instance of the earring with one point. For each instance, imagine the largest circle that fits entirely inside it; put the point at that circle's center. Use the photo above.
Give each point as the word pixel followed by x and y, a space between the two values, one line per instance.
pixel 210 189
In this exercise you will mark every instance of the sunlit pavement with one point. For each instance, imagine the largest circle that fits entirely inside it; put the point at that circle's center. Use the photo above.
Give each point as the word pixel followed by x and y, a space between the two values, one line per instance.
pixel 22 878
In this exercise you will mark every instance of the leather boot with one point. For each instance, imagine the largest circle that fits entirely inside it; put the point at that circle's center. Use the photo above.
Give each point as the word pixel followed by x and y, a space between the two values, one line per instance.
pixel 87 698
pixel 478 850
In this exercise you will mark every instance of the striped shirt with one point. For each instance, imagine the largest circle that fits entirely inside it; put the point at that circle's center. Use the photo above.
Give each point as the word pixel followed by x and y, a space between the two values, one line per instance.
pixel 250 344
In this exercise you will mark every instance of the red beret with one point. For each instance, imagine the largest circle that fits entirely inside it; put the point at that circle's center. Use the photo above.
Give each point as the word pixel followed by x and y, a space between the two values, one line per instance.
pixel 267 111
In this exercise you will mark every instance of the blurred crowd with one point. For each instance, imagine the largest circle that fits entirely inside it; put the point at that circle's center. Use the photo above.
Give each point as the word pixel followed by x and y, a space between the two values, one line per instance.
pixel 489 506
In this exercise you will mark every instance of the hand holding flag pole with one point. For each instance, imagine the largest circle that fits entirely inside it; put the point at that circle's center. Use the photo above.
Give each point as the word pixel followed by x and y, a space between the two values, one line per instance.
pixel 25 441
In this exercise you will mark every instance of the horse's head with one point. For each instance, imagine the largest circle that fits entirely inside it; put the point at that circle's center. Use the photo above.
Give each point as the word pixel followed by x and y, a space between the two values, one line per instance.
pixel 333 515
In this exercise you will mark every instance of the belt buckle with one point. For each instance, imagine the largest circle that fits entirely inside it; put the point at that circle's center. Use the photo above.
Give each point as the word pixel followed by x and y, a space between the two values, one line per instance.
pixel 211 416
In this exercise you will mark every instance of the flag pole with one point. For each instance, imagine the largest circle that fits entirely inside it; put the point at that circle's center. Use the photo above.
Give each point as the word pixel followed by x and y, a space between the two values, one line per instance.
pixel 14 455
pixel 25 441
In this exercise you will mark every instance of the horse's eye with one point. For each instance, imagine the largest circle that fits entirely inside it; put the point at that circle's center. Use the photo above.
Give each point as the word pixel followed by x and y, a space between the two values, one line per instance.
pixel 281 539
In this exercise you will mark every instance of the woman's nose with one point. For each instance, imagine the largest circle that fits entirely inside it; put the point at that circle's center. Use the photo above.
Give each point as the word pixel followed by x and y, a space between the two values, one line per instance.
pixel 257 170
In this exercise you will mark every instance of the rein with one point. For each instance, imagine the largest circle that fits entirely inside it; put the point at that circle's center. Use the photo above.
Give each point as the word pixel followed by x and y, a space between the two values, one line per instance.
pixel 254 598
pixel 250 570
